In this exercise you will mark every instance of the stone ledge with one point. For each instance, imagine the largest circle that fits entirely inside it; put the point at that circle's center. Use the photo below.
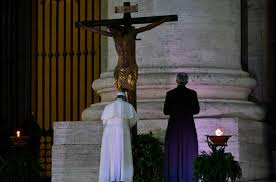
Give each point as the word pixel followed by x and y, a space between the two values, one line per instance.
pixel 150 109
pixel 77 132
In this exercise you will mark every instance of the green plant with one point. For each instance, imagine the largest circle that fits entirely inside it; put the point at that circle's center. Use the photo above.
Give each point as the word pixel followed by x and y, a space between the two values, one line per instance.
pixel 216 166
pixel 147 158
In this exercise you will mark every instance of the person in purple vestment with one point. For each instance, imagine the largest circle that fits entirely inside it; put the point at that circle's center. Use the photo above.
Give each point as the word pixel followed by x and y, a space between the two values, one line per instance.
pixel 181 146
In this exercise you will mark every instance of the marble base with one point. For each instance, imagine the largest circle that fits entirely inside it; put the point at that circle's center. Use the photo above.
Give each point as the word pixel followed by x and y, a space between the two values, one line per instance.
pixel 76 149
pixel 248 143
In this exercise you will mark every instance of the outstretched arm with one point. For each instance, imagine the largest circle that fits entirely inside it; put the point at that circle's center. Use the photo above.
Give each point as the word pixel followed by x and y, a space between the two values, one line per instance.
pixel 95 30
pixel 152 25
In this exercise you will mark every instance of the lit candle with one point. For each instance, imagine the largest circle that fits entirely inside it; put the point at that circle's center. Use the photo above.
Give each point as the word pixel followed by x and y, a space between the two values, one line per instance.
pixel 219 132
pixel 18 133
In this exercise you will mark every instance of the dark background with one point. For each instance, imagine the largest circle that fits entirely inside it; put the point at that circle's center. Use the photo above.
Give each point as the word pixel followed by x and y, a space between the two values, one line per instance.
pixel 16 58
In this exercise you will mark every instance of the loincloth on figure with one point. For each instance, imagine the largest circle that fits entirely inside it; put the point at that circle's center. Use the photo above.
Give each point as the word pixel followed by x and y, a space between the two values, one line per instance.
pixel 125 78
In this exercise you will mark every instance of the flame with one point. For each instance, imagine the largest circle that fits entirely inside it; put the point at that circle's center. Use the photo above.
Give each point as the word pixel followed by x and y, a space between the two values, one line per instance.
pixel 219 132
pixel 18 133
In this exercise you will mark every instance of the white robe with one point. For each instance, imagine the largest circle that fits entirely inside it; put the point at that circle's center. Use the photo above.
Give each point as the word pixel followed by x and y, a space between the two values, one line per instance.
pixel 116 154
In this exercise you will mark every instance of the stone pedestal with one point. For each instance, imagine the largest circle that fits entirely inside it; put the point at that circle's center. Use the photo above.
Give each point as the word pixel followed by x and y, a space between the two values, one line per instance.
pixel 76 151
pixel 205 43
pixel 248 143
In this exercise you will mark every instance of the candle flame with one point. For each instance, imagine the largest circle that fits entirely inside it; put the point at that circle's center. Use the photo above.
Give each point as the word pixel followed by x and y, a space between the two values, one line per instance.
pixel 219 132
pixel 18 133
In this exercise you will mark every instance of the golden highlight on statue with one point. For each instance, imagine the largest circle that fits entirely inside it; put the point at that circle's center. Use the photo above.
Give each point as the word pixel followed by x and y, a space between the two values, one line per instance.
pixel 125 78
pixel 126 70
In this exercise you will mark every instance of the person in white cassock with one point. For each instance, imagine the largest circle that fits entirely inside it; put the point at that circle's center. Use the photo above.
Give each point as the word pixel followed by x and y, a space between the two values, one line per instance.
pixel 116 155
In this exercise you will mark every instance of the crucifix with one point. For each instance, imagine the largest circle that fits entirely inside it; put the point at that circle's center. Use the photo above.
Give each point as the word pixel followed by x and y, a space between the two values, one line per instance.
pixel 124 36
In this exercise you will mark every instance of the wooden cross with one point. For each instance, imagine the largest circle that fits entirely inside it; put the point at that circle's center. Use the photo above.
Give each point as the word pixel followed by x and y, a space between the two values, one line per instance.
pixel 124 36
pixel 126 9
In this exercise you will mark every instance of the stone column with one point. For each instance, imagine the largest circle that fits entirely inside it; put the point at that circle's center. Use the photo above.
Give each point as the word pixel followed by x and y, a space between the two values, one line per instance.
pixel 205 43
pixel 257 62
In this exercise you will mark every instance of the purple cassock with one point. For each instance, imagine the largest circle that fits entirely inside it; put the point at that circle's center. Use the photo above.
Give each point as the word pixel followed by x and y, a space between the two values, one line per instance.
pixel 181 146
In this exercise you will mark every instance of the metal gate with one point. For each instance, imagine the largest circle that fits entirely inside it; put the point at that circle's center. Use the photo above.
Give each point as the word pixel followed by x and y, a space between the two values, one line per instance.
pixel 65 62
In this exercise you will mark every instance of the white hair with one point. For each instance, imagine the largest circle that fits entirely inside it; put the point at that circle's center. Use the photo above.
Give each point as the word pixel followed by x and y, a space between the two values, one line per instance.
pixel 182 78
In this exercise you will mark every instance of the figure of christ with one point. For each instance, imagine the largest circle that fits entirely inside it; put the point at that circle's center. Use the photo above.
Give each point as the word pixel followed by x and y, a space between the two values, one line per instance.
pixel 126 70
